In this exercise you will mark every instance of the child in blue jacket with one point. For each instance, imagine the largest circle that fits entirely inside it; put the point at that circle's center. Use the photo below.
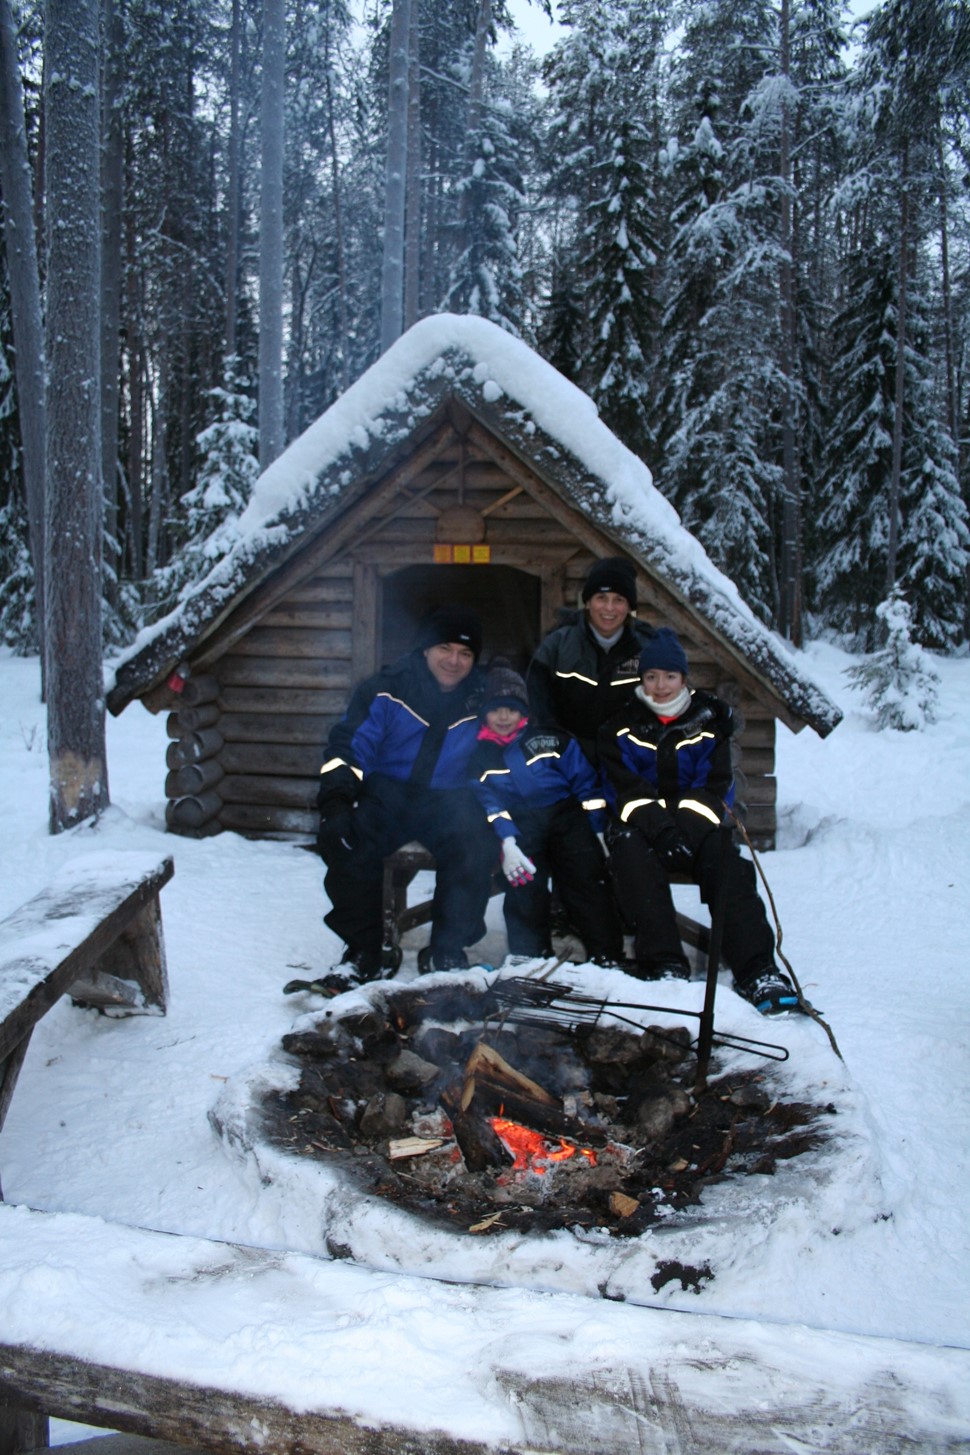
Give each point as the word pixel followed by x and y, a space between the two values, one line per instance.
pixel 543 800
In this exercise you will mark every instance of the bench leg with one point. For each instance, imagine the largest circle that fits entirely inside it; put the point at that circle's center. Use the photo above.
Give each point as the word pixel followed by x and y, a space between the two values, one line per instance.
pixel 136 957
pixel 21 1430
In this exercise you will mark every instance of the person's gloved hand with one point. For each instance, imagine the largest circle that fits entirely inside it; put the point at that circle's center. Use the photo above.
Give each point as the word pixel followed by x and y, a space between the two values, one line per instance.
pixel 673 850
pixel 336 828
pixel 517 867
pixel 602 843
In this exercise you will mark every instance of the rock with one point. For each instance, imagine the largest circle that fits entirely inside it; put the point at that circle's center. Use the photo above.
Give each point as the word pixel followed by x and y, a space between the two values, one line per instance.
pixel 409 1072
pixel 384 1116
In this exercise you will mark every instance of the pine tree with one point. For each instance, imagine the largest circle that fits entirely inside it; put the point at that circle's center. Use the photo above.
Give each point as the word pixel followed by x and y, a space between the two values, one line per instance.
pixel 899 681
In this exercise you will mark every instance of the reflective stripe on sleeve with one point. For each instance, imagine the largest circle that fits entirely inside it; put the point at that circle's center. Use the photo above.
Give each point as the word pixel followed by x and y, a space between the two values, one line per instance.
pixel 636 803
pixel 340 763
pixel 503 813
pixel 592 804
pixel 700 808
pixel 535 759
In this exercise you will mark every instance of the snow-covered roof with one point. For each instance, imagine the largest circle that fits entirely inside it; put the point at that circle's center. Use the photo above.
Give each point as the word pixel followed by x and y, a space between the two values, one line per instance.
pixel 549 423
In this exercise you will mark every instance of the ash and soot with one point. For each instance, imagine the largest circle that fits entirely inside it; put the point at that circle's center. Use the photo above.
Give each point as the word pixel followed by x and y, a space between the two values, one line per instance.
pixel 480 1115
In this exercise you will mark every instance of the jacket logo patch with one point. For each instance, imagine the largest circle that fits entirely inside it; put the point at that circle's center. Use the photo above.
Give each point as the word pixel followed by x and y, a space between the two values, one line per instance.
pixel 542 743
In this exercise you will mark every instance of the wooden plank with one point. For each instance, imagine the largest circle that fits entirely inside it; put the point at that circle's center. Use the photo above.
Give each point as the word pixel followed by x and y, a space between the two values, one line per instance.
pixel 269 727
pixel 366 627
pixel 22 1431
pixel 264 641
pixel 138 954
pixel 289 672
pixel 293 759
pixel 312 615
pixel 259 789
pixel 298 701
pixel 268 818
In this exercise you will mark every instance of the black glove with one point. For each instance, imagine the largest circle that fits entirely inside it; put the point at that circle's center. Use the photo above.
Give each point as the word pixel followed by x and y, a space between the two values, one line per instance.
pixel 673 850
pixel 335 835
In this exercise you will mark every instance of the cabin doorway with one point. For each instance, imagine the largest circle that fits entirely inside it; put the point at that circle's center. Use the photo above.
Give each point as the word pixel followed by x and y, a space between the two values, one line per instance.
pixel 507 600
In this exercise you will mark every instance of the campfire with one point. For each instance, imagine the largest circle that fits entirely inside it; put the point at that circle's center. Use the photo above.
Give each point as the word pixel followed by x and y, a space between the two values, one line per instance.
pixel 484 1107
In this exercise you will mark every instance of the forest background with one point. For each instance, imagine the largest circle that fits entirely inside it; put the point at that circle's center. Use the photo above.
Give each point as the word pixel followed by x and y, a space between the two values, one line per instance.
pixel 742 226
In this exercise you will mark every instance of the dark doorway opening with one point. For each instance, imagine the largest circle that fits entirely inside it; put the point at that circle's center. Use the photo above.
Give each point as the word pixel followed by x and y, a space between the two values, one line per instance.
pixel 507 600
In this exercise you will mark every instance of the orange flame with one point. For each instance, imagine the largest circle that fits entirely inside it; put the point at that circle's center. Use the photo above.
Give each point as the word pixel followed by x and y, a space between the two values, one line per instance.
pixel 532 1150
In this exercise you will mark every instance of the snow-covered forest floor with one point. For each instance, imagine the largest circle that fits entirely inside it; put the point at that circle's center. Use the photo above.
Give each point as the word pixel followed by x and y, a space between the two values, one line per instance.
pixel 871 883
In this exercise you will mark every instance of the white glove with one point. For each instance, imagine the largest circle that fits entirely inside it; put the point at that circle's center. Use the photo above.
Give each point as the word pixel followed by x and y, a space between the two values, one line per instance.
pixel 517 868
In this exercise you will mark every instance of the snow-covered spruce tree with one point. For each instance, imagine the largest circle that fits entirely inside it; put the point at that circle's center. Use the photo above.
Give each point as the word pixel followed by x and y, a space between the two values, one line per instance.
pixel 720 454
pixel 486 277
pixel 900 682
pixel 228 471
pixel 18 620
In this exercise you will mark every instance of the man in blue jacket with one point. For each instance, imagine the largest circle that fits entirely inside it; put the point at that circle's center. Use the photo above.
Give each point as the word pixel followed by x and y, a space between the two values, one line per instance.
pixel 396 770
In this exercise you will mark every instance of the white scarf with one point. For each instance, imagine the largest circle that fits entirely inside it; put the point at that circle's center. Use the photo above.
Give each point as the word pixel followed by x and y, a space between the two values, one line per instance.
pixel 673 708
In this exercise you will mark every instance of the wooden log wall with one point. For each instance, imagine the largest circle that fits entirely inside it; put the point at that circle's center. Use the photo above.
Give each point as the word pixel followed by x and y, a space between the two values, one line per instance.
pixel 249 734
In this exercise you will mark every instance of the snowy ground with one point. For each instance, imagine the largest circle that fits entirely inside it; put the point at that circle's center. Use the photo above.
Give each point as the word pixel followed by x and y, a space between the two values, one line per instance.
pixel 871 884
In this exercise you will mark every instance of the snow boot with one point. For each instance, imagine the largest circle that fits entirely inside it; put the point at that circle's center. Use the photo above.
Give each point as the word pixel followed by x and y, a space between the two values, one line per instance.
pixel 770 991
pixel 356 968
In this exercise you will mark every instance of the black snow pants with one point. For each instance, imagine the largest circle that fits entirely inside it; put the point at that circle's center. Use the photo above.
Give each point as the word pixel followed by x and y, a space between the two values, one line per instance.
pixel 560 842
pixel 642 889
pixel 448 822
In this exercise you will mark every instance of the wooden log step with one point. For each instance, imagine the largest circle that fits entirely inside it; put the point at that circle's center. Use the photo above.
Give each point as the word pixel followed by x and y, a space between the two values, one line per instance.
pixel 269 820
pixel 292 759
pixel 259 789
pixel 284 673
pixel 204 688
pixel 265 641
pixel 192 719
pixel 193 811
pixel 193 778
pixel 193 748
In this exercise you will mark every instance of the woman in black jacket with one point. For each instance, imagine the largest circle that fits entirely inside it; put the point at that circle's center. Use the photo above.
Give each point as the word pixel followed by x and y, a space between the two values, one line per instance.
pixel 667 758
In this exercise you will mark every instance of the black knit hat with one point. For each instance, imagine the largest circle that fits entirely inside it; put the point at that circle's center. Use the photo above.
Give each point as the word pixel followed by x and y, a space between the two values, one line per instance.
pixel 663 653
pixel 453 623
pixel 614 573
pixel 504 688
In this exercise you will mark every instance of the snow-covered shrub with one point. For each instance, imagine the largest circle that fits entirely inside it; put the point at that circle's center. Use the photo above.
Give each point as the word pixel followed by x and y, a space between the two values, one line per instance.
pixel 900 682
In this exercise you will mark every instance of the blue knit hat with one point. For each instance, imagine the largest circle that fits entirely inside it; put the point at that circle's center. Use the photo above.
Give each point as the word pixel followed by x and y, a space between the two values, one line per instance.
pixel 663 653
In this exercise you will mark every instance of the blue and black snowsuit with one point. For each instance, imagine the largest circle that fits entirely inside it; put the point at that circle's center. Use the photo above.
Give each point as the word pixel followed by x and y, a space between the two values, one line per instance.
pixel 396 769
pixel 670 780
pixel 541 790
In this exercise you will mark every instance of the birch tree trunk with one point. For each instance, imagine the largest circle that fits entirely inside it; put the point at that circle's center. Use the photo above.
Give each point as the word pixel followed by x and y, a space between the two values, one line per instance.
pixel 271 435
pixel 73 517
pixel 25 304
pixel 392 271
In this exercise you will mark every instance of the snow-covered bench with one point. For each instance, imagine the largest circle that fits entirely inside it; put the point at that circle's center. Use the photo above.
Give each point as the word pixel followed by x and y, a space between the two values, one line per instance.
pixel 95 933
pixel 235 1349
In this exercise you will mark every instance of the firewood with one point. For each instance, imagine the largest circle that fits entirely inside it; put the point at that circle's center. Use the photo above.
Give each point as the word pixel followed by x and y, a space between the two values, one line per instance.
pixel 486 1061
pixel 413 1147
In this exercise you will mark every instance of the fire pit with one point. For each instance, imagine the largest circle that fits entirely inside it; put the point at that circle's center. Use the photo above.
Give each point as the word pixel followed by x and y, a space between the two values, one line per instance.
pixel 502 1105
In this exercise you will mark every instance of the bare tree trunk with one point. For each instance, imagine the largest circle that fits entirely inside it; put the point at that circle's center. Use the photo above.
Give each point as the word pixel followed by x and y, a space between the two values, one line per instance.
pixel 271 435
pixel 111 279
pixel 232 188
pixel 73 521
pixel 791 595
pixel 392 272
pixel 412 229
pixel 338 228
pixel 25 304
pixel 895 477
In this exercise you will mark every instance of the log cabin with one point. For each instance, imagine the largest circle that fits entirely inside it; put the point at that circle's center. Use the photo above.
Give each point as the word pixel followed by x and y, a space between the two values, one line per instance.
pixel 460 467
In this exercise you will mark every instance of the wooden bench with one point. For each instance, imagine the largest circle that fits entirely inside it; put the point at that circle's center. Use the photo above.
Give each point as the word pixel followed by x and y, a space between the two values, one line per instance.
pixel 401 868
pixel 95 933
pixel 266 1352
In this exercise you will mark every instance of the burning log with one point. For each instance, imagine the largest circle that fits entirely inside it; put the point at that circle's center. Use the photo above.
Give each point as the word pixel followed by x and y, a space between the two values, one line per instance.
pixel 478 1143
